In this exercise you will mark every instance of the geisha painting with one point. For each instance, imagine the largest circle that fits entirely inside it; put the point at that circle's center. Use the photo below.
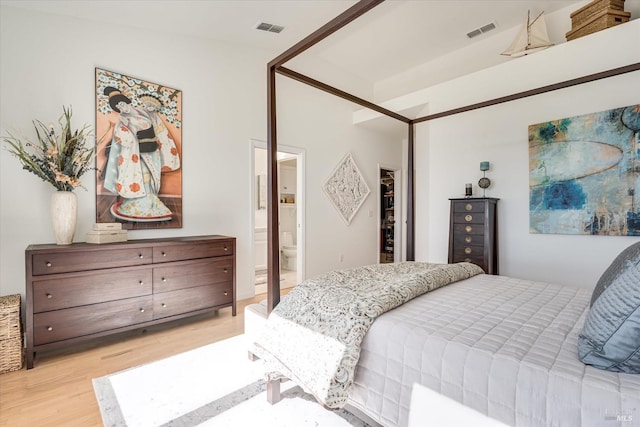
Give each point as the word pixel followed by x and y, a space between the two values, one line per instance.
pixel 139 177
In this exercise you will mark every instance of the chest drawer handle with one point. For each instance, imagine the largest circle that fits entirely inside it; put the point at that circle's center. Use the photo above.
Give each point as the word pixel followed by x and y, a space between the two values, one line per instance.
pixel 142 310
pixel 163 305
pixel 226 249
pixel 468 218
pixel 468 206
pixel 468 229
pixel 226 293
pixel 164 254
pixel 49 264
pixel 467 239
pixel 467 251
pixel 49 328
pixel 225 270
pixel 49 296
pixel 140 256
pixel 467 260
pixel 164 279
pixel 141 282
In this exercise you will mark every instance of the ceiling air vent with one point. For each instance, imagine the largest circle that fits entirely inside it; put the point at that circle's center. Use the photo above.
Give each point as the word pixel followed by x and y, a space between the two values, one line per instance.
pixel 269 27
pixel 484 29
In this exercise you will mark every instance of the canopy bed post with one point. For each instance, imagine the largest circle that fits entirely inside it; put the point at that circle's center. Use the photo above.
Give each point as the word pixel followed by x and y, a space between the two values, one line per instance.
pixel 273 258
pixel 411 244
pixel 273 243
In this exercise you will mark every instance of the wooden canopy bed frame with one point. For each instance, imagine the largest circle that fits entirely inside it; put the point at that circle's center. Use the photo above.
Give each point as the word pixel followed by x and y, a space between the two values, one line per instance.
pixel 423 323
pixel 276 66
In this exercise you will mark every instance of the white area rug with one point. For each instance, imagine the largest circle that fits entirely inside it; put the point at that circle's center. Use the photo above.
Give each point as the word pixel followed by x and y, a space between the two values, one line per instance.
pixel 215 385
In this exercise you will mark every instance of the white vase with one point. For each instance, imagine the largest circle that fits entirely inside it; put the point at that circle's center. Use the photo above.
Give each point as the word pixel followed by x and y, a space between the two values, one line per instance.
pixel 64 212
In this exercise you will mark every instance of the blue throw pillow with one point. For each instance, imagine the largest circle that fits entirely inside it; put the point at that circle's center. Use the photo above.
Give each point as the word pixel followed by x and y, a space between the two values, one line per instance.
pixel 610 337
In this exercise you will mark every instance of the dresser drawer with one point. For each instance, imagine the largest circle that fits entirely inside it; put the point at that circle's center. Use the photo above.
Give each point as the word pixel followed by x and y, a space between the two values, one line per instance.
pixel 468 206
pixel 468 239
pixel 61 262
pixel 468 218
pixel 90 288
pixel 467 251
pixel 464 229
pixel 188 274
pixel 75 322
pixel 192 251
pixel 177 302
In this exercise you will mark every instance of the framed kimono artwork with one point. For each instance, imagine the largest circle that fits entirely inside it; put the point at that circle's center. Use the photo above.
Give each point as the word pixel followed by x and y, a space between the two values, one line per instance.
pixel 138 159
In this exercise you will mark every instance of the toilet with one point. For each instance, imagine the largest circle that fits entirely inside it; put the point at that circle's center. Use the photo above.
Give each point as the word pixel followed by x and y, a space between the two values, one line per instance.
pixel 289 251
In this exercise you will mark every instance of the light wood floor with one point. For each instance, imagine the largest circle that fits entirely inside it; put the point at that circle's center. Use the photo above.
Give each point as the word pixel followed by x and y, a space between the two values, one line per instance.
pixel 58 391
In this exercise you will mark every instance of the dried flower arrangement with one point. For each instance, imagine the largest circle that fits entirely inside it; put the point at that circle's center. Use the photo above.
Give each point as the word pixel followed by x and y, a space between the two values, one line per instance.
pixel 58 157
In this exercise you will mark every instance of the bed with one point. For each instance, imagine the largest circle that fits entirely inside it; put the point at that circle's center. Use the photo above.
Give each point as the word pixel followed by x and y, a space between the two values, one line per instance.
pixel 504 347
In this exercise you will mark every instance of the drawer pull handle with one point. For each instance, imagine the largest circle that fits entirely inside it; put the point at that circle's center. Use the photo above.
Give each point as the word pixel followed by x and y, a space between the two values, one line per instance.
pixel 164 279
pixel 467 260
pixel 164 254
pixel 468 218
pixel 225 270
pixel 226 293
pixel 49 296
pixel 142 310
pixel 468 206
pixel 163 305
pixel 467 251
pixel 467 239
pixel 49 264
pixel 140 256
pixel 468 229
pixel 141 282
pixel 49 328
pixel 225 249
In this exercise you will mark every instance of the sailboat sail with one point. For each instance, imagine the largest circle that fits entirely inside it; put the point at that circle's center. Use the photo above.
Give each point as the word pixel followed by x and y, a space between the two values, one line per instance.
pixel 532 37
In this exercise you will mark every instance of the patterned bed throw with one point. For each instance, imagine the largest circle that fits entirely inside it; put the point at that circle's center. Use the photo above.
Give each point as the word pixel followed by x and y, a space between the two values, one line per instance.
pixel 313 336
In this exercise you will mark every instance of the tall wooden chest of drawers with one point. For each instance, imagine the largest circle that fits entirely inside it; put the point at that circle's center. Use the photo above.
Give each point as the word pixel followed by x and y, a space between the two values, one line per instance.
pixel 473 232
pixel 84 291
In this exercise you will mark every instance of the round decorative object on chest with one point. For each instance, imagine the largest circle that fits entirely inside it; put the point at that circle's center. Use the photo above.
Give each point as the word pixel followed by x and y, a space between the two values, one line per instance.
pixel 484 182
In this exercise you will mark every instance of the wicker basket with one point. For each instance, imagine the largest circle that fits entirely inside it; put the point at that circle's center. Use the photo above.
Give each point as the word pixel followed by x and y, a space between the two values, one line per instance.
pixel 606 19
pixel 587 12
pixel 11 348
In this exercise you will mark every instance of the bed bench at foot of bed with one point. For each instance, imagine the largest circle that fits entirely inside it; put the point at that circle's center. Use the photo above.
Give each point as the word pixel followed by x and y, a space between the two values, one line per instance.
pixel 255 317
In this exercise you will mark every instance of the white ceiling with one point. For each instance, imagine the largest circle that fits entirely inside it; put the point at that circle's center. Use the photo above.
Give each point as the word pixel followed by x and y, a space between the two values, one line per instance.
pixel 408 32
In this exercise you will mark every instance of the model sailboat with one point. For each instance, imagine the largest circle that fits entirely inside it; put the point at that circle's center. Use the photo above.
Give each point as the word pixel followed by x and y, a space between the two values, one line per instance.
pixel 531 38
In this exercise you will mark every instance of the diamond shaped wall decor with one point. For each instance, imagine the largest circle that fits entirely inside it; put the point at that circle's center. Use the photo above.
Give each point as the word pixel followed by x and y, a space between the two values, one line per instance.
pixel 346 188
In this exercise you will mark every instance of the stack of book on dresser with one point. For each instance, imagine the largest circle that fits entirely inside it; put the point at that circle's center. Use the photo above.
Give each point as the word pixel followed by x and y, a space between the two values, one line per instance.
pixel 107 232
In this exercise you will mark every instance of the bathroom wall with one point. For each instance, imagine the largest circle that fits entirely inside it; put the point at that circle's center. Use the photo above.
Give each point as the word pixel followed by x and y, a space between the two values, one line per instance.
pixel 260 215
pixel 288 199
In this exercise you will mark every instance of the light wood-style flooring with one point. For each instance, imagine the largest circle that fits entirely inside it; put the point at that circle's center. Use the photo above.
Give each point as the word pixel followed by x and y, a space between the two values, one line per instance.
pixel 58 391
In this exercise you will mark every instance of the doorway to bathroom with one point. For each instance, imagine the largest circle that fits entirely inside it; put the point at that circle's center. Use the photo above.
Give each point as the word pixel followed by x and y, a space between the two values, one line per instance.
pixel 291 214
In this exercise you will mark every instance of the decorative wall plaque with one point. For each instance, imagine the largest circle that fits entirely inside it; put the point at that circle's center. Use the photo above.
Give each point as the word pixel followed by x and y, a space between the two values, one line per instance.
pixel 346 188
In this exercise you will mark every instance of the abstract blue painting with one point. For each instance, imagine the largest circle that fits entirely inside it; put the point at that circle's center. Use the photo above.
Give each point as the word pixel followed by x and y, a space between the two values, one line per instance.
pixel 584 174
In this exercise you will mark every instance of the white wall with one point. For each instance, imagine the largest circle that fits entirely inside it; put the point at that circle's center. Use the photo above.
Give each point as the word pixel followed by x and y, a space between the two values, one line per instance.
pixel 322 125
pixel 449 151
pixel 48 61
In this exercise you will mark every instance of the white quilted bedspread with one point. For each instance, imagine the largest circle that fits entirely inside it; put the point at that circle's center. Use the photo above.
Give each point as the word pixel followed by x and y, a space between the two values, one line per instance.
pixel 504 347
pixel 313 336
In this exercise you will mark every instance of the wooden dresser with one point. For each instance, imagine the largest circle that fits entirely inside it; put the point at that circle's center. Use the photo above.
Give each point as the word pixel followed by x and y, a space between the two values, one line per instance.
pixel 473 232
pixel 84 291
